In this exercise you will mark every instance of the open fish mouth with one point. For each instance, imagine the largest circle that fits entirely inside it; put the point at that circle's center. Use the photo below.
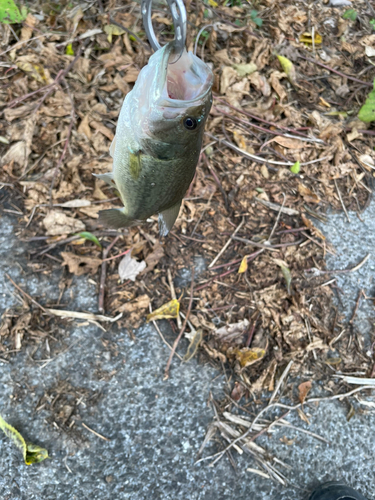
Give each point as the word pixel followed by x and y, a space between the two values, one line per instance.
pixel 186 79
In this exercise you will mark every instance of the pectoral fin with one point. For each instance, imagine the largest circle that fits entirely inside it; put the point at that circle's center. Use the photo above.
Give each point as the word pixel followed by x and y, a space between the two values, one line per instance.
pixel 167 218
pixel 108 178
pixel 115 218
pixel 112 147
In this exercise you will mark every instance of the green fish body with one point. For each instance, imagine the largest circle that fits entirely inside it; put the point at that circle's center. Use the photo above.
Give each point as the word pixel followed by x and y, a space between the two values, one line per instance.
pixel 158 139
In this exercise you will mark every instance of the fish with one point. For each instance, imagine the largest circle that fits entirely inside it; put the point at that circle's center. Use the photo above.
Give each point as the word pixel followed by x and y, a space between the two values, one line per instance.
pixel 158 139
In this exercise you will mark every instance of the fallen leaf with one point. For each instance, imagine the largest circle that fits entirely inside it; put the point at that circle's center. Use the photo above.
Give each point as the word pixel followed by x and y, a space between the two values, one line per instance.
pixel 245 69
pixel 286 273
pixel 248 356
pixel 288 142
pixel 275 78
pixel 193 346
pixel 79 264
pixel 303 390
pixel 314 230
pixel 140 303
pixel 91 237
pixel 367 111
pixel 307 39
pixel 10 14
pixel 238 391
pixel 230 332
pixel 32 454
pixel 169 310
pixel 288 68
pixel 34 70
pixel 129 268
pixel 57 222
pixel 112 29
pixel 295 168
pixel 243 265
pixel 154 257
pixel 307 194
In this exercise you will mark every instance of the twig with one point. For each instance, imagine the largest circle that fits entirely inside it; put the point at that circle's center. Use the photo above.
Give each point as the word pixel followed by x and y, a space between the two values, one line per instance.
pixel 246 113
pixel 341 201
pixel 258 158
pixel 26 294
pixel 175 344
pixel 277 220
pixel 163 338
pixel 94 432
pixel 227 244
pixel 290 408
pixel 265 246
pixel 131 33
pixel 61 159
pixel 341 271
pixel 357 304
pixel 343 75
pixel 281 380
pixel 276 207
pixel 103 275
pixel 173 295
pixel 217 180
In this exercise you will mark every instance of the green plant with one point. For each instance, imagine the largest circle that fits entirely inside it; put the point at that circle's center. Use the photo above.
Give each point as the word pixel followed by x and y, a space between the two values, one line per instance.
pixel 254 17
pixel 10 13
pixel 372 22
pixel 350 14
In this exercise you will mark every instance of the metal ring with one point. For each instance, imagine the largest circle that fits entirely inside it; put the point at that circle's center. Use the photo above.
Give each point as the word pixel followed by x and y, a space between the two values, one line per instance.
pixel 179 17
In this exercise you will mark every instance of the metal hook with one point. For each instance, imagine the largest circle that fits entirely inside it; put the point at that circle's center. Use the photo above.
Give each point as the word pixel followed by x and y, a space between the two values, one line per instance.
pixel 179 17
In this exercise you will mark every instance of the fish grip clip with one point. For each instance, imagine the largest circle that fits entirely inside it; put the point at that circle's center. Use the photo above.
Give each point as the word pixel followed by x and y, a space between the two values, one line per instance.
pixel 179 17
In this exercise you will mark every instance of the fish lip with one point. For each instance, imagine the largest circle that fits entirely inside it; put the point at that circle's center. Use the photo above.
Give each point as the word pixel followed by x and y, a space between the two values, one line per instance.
pixel 164 99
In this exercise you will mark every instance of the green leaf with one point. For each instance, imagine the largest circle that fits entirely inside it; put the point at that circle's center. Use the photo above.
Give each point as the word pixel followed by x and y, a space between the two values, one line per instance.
pixel 367 112
pixel 372 22
pixel 69 50
pixel 89 236
pixel 295 168
pixel 350 14
pixel 32 453
pixel 10 14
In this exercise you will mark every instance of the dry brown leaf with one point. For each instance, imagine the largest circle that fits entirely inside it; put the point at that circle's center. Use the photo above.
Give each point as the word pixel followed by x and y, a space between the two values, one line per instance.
pixel 303 390
pixel 79 264
pixel 154 257
pixel 307 194
pixel 228 76
pixel 57 222
pixel 139 304
pixel 314 230
pixel 121 84
pixel 275 78
pixel 84 127
pixel 230 332
pixel 288 142
pixel 22 111
pixel 238 391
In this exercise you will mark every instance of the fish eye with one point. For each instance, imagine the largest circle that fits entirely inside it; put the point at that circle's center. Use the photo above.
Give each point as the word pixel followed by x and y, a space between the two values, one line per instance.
pixel 190 123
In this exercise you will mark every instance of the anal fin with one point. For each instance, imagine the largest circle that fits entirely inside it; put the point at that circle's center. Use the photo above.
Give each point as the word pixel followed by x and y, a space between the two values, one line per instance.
pixel 167 218
pixel 112 147
pixel 115 217
pixel 108 178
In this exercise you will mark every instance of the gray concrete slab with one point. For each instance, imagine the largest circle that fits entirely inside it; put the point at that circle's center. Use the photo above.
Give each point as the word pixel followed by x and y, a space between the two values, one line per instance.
pixel 155 427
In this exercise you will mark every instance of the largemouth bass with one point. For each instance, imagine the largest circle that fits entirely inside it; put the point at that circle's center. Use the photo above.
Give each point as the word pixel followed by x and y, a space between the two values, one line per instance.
pixel 158 139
